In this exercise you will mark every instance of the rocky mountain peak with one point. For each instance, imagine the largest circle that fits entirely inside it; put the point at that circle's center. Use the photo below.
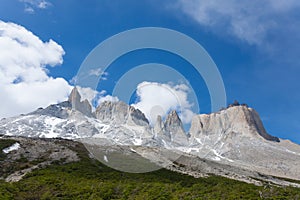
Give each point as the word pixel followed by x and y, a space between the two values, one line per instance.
pixel 138 116
pixel 108 111
pixel 120 112
pixel 250 119
pixel 173 127
pixel 238 119
pixel 74 96
pixel 81 106
pixel 254 121
pixel 173 119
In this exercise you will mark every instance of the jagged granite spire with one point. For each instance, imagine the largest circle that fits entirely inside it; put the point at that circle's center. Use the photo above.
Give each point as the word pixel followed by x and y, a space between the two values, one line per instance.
pixel 137 117
pixel 173 126
pixel 158 125
pixel 172 120
pixel 81 106
pixel 74 97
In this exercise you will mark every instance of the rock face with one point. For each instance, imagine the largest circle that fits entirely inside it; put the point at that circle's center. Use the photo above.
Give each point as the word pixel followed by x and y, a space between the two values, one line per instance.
pixel 126 124
pixel 136 117
pixel 57 110
pixel 237 136
pixel 170 132
pixel 235 120
pixel 173 126
pixel 120 113
pixel 234 136
pixel 82 106
pixel 159 127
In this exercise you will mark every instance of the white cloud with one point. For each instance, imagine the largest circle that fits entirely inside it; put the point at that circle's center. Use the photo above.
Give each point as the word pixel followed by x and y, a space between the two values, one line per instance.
pixel 103 98
pixel 24 82
pixel 31 5
pixel 159 99
pixel 95 97
pixel 249 21
pixel 43 4
pixel 98 72
pixel 29 9
pixel 87 93
pixel 92 72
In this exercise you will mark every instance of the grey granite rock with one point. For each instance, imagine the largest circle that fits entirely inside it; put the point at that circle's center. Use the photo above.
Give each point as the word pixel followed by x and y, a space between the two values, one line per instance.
pixel 173 126
pixel 234 136
pixel 82 106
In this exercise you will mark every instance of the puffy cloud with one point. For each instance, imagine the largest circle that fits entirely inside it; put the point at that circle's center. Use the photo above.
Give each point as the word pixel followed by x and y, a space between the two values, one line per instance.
pixel 24 82
pixel 159 99
pixel 87 93
pixel 102 97
pixel 94 97
pixel 249 21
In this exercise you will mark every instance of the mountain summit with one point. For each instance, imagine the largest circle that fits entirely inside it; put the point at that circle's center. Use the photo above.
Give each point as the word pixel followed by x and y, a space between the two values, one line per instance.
pixel 238 119
pixel 82 106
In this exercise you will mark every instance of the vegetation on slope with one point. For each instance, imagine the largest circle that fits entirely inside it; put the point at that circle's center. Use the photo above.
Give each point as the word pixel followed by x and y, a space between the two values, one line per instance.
pixel 89 179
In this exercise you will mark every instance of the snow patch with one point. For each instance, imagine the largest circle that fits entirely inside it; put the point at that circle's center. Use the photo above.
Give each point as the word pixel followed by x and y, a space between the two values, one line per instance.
pixel 188 149
pixel 198 140
pixel 105 158
pixel 101 127
pixel 289 151
pixel 165 144
pixel 218 157
pixel 13 147
pixel 52 122
pixel 137 141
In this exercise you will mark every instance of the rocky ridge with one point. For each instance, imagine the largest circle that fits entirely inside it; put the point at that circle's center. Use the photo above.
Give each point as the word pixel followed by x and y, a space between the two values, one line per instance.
pixel 234 136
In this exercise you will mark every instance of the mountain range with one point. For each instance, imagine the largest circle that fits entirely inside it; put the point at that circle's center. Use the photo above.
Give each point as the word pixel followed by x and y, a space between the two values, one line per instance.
pixel 232 142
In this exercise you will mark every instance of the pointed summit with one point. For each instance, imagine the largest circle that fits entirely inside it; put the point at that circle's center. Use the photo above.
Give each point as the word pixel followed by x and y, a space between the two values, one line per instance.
pixel 173 119
pixel 174 127
pixel 81 106
pixel 137 116
pixel 74 97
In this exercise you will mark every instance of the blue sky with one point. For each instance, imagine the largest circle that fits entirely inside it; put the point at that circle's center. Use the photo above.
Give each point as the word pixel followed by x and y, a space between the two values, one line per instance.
pixel 255 45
